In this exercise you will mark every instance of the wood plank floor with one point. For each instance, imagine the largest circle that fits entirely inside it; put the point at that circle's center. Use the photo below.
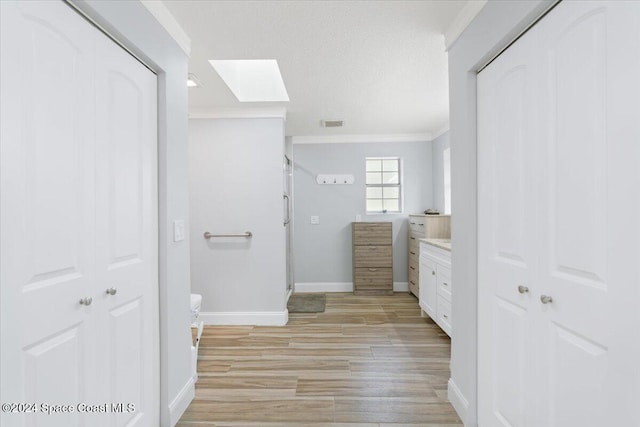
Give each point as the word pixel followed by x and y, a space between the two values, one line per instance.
pixel 367 361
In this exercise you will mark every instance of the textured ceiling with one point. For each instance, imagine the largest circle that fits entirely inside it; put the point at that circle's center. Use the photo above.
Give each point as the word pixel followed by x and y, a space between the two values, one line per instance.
pixel 378 65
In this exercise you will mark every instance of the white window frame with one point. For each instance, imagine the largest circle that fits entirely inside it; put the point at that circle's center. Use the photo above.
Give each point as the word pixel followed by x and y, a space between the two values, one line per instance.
pixel 399 185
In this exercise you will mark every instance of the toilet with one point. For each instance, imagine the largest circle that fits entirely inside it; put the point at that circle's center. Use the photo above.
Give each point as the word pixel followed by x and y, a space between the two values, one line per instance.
pixel 196 303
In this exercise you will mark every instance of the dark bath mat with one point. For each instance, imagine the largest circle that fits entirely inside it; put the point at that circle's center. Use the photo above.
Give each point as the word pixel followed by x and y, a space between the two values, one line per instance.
pixel 306 303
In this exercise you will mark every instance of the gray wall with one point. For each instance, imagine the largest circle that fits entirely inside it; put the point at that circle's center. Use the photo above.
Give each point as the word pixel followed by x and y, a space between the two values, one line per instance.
pixel 497 24
pixel 323 252
pixel 439 145
pixel 134 26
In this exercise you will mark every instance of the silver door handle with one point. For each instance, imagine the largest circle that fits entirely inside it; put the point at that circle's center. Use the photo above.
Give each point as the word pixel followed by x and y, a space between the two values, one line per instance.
pixel 523 289
pixel 86 301
pixel 546 299
pixel 112 291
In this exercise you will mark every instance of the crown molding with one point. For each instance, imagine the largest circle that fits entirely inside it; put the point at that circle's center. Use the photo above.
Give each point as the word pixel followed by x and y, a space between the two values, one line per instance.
pixel 441 131
pixel 240 113
pixel 462 21
pixel 169 23
pixel 349 139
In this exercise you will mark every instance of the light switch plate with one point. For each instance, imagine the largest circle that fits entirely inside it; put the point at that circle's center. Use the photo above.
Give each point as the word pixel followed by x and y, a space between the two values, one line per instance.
pixel 315 220
pixel 178 230
pixel 358 218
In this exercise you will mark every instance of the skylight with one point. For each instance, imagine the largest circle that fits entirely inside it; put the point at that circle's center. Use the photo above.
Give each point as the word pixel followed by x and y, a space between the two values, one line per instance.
pixel 252 80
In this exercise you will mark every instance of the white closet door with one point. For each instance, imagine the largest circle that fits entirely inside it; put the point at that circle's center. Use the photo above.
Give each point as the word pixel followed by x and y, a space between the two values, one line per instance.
pixel 47 210
pixel 571 360
pixel 78 212
pixel 127 227
pixel 590 207
pixel 507 145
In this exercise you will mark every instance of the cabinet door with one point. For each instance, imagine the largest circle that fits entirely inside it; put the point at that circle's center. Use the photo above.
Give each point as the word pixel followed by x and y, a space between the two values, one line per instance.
pixel 428 287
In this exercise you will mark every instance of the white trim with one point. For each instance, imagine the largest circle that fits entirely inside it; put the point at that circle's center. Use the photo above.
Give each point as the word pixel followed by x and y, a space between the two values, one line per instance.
pixel 310 287
pixel 169 23
pixel 240 113
pixel 458 401
pixel 441 132
pixel 346 139
pixel 301 288
pixel 181 402
pixel 400 286
pixel 254 318
pixel 462 21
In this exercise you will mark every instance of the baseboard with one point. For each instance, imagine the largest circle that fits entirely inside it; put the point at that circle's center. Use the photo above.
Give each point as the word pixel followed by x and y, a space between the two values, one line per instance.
pixel 254 318
pixel 308 287
pixel 457 399
pixel 400 286
pixel 181 402
pixel 323 287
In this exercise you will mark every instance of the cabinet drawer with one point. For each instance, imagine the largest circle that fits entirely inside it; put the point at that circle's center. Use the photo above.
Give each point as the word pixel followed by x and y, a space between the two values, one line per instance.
pixel 444 315
pixel 444 286
pixel 413 265
pixel 373 279
pixel 371 233
pixel 413 287
pixel 373 256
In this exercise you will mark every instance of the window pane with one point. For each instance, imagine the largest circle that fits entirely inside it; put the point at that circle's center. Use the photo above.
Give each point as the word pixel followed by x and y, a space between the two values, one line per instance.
pixel 390 178
pixel 374 178
pixel 391 193
pixel 374 192
pixel 374 205
pixel 391 205
pixel 390 165
pixel 374 165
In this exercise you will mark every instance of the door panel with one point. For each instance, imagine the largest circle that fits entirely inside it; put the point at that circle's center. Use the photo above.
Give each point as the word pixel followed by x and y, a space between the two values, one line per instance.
pixel 506 224
pixel 584 165
pixel 46 207
pixel 127 224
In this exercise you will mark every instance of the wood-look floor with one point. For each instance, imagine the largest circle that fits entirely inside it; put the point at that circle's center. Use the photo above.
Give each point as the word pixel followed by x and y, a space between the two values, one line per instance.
pixel 367 361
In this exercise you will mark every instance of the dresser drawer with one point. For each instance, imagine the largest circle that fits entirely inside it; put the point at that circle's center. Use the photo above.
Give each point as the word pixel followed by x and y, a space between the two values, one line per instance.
pixel 371 233
pixel 373 256
pixel 373 279
pixel 413 286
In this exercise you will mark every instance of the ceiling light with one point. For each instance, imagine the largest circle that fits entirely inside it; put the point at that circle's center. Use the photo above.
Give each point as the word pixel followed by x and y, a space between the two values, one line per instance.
pixel 192 81
pixel 331 123
pixel 252 80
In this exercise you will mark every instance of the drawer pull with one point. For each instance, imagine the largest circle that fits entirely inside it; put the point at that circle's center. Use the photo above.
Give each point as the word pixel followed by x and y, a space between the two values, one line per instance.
pixel 433 272
pixel 523 289
pixel 445 283
pixel 412 253
pixel 411 281
pixel 421 225
pixel 373 269
pixel 413 223
pixel 445 316
pixel 412 267
pixel 413 238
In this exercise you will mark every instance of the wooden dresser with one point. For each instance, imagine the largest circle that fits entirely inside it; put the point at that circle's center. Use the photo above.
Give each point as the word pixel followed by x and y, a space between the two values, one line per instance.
pixel 372 258
pixel 422 227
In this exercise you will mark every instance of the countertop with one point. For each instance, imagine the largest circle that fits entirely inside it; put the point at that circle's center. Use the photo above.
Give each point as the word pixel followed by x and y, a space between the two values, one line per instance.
pixel 439 243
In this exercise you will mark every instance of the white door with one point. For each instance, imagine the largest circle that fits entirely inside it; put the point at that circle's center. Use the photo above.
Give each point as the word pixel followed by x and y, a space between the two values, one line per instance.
pixel 126 231
pixel 506 228
pixel 559 202
pixel 54 238
pixel 589 186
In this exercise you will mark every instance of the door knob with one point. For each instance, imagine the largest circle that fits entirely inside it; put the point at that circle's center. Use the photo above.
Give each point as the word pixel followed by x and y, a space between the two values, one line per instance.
pixel 546 299
pixel 112 291
pixel 86 301
pixel 523 289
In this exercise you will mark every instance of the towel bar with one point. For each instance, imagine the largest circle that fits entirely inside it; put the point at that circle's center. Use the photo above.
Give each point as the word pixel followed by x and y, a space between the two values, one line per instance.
pixel 247 234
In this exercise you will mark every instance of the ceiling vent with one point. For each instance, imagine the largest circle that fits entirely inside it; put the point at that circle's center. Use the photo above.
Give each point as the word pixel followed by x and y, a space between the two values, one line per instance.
pixel 331 123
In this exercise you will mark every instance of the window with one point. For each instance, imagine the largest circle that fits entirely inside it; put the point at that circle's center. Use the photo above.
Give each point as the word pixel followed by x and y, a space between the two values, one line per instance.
pixel 383 185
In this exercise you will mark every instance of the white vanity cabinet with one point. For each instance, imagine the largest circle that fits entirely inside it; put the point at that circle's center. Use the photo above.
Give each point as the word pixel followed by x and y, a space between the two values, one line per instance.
pixel 435 281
